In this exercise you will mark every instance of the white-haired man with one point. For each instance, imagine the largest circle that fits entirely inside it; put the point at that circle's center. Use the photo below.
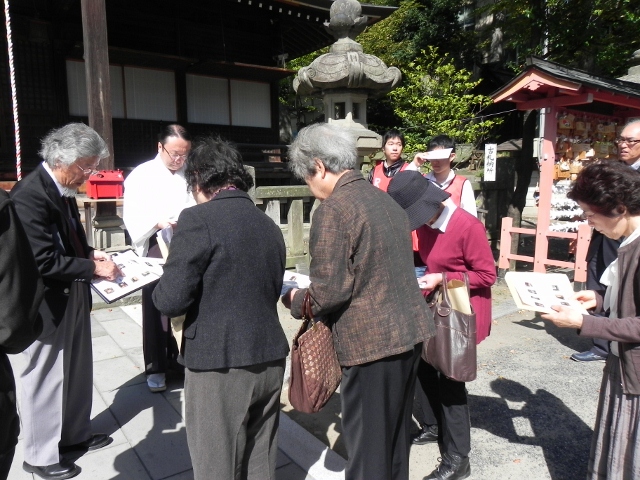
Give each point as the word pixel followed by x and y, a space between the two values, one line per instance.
pixel 57 382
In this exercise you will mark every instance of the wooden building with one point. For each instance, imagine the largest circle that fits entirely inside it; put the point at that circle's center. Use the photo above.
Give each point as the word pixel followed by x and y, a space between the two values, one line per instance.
pixel 210 65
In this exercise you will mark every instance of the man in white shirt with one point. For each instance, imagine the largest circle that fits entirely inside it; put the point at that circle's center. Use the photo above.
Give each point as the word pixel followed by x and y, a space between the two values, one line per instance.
pixel 155 193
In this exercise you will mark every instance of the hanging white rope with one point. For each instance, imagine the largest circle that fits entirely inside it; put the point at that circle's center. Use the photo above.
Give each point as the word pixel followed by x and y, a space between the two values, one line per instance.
pixel 14 97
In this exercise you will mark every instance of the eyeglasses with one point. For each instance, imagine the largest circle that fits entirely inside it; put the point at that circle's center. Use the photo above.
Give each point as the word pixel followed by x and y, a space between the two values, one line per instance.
pixel 175 156
pixel 86 171
pixel 629 141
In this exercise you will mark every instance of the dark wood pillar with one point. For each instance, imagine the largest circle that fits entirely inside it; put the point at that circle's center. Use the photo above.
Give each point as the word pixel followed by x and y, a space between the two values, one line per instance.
pixel 107 225
pixel 96 64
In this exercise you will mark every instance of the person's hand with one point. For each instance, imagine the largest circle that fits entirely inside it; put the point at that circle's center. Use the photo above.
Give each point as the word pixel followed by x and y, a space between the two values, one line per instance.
pixel 107 269
pixel 99 255
pixel 287 298
pixel 587 298
pixel 167 223
pixel 419 159
pixel 430 281
pixel 564 317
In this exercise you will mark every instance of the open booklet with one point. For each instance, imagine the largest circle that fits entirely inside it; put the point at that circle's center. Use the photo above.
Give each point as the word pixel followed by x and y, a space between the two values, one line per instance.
pixel 138 272
pixel 538 291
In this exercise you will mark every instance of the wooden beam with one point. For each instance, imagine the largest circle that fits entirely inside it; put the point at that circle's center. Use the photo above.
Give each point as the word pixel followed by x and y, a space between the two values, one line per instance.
pixel 617 99
pixel 563 101
pixel 96 62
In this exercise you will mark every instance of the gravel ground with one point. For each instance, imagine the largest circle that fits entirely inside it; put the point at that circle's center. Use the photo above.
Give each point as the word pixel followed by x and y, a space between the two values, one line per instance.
pixel 532 408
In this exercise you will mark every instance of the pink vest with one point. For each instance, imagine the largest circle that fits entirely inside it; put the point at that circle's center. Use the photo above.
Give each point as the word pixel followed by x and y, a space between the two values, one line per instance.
pixel 455 189
pixel 379 179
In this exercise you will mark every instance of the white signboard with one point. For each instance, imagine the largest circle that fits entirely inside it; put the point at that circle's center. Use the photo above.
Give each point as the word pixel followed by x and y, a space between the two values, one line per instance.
pixel 490 156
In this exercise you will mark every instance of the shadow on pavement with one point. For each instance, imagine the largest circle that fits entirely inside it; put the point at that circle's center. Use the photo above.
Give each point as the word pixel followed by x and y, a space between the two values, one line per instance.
pixel 544 421
pixel 565 336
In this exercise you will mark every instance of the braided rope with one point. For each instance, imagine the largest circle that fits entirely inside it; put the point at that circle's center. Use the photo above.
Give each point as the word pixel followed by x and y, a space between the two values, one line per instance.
pixel 14 96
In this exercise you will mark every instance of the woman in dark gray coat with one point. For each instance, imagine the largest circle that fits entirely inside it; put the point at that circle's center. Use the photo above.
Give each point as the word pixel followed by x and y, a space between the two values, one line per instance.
pixel 224 271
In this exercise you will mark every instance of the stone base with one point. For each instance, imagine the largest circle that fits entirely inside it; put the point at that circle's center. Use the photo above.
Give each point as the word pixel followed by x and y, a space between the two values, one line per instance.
pixel 108 233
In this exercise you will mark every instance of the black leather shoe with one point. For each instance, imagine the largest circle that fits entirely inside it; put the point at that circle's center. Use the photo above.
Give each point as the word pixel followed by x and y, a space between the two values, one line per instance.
pixel 427 434
pixel 587 356
pixel 57 471
pixel 452 467
pixel 96 441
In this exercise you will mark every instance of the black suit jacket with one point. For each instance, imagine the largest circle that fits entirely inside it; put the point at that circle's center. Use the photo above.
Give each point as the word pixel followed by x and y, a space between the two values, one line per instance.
pixel 21 292
pixel 602 251
pixel 225 270
pixel 43 214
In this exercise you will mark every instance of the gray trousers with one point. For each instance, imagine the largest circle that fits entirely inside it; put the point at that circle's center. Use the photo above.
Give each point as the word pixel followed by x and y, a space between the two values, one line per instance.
pixel 57 384
pixel 232 416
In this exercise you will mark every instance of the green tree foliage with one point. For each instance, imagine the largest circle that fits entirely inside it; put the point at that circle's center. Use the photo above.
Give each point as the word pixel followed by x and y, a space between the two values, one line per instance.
pixel 598 36
pixel 417 25
pixel 398 40
pixel 436 97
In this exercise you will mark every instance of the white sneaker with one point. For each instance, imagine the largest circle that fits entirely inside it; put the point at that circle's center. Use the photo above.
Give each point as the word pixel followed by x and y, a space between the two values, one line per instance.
pixel 156 382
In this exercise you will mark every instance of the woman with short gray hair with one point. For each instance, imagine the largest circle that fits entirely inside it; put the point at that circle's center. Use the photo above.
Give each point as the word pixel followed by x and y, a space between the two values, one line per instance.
pixel 360 244
pixel 334 145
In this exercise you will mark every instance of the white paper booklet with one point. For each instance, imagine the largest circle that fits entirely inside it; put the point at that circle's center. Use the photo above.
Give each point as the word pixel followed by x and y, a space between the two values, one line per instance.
pixel 302 281
pixel 538 291
pixel 138 272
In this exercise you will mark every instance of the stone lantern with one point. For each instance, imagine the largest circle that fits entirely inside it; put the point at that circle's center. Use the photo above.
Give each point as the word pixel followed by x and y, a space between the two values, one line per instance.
pixel 346 76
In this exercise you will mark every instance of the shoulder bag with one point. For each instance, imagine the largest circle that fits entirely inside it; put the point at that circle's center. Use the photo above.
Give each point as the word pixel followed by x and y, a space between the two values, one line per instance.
pixel 315 371
pixel 452 351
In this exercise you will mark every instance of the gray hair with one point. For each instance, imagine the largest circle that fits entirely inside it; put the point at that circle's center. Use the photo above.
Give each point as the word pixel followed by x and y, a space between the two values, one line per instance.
pixel 74 140
pixel 335 147
pixel 635 122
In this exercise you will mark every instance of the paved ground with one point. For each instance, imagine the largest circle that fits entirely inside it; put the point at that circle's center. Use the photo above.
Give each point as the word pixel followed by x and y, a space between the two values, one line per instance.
pixel 532 409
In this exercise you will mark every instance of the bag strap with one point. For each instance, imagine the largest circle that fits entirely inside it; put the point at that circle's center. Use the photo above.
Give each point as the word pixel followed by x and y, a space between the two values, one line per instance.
pixel 445 294
pixel 307 314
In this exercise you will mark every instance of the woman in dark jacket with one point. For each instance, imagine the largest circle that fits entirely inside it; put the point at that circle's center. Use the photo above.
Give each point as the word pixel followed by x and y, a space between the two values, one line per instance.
pixel 609 195
pixel 224 271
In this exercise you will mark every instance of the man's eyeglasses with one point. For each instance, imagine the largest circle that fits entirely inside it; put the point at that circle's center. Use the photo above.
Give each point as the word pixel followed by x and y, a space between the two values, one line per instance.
pixel 175 156
pixel 629 141
pixel 86 171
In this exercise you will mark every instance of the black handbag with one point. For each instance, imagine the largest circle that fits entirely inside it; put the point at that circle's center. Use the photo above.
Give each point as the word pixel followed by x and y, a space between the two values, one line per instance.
pixel 452 351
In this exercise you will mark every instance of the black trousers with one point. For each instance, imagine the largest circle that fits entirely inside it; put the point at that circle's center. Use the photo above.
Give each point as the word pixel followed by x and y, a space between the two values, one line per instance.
pixel 6 459
pixel 158 345
pixel 376 414
pixel 443 402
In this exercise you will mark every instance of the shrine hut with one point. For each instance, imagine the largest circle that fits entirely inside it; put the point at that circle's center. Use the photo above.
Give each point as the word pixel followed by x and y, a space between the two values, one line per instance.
pixel 581 114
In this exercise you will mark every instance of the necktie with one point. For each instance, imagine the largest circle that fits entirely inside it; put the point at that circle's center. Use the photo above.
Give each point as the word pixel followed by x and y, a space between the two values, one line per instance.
pixel 73 232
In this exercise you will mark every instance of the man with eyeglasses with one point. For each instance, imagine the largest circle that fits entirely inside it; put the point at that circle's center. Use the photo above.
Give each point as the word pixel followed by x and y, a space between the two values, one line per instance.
pixel 603 250
pixel 57 381
pixel 628 144
pixel 155 193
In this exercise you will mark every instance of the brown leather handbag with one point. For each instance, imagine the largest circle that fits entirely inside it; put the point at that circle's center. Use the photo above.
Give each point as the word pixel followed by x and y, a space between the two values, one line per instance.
pixel 315 371
pixel 452 351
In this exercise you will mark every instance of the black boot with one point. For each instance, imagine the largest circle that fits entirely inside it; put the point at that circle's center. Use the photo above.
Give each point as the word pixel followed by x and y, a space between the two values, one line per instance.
pixel 427 434
pixel 452 467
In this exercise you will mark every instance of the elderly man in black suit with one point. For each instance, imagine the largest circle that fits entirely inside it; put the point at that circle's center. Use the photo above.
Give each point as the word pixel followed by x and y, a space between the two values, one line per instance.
pixel 57 382
pixel 21 291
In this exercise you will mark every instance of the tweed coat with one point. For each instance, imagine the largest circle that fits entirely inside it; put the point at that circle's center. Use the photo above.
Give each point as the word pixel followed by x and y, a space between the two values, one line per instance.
pixel 225 271
pixel 625 329
pixel 21 292
pixel 362 275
